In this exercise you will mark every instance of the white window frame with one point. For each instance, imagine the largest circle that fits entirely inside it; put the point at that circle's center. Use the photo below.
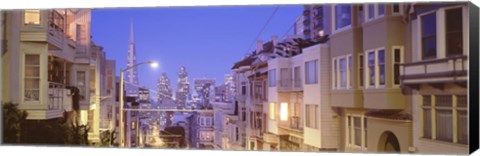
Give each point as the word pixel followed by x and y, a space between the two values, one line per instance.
pixel 38 79
pixel 336 76
pixel 376 68
pixel 350 132
pixel 334 27
pixel 402 60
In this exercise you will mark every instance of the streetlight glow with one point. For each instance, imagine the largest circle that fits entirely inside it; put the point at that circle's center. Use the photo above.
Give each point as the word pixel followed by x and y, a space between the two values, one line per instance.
pixel 153 64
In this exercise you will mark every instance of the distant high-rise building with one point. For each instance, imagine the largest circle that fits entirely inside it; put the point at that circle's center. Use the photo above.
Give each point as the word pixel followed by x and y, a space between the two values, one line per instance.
pixel 205 90
pixel 183 88
pixel 164 90
pixel 132 74
pixel 310 23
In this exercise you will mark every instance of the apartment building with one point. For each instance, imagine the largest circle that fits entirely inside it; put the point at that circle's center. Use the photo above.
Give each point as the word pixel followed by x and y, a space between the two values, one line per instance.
pixel 310 22
pixel 435 70
pixel 40 51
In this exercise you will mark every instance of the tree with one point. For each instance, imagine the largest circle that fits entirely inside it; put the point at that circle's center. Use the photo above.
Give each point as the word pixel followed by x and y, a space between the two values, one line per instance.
pixel 13 118
pixel 108 138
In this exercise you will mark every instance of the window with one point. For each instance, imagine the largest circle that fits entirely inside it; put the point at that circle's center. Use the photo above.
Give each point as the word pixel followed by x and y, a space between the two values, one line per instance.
pixel 443 115
pixel 244 89
pixel 285 77
pixel 360 69
pixel 462 119
pixel 349 72
pixel 365 131
pixel 381 66
pixel 371 11
pixel 244 115
pixel 397 60
pixel 311 114
pixel 371 68
pixel 439 109
pixel 356 127
pixel 335 74
pixel 311 73
pixel 343 72
pixel 429 36
pixel 283 111
pixel 381 9
pixel 271 78
pixel 342 16
pixel 454 33
pixel 32 77
pixel 297 77
pixel 272 111
pixel 396 8
pixel 132 125
pixel 32 17
pixel 376 68
pixel 427 123
pixel 81 84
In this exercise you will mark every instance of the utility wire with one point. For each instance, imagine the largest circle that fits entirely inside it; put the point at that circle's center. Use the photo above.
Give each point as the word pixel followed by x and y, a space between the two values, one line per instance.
pixel 263 28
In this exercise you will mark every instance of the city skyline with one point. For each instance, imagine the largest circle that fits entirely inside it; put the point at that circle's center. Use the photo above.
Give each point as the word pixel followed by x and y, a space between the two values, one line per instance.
pixel 154 40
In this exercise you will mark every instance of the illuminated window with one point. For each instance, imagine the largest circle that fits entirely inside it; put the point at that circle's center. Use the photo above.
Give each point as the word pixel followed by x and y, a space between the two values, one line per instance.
pixel 32 17
pixel 284 111
pixel 133 124
pixel 272 111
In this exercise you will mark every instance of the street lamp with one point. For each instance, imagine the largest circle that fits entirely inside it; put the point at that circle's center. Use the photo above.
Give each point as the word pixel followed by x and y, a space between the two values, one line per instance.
pixel 153 65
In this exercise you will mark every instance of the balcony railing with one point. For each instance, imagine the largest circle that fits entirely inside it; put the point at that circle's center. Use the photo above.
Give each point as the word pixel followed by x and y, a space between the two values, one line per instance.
pixel 295 123
pixel 290 85
pixel 55 95
pixel 445 69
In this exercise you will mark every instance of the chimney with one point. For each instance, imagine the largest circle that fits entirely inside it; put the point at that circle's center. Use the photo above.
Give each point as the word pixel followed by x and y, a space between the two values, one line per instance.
pixel 259 45
pixel 274 40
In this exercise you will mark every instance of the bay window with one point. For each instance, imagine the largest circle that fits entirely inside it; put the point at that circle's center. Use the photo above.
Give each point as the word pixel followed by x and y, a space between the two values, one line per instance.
pixel 32 77
pixel 429 36
pixel 343 16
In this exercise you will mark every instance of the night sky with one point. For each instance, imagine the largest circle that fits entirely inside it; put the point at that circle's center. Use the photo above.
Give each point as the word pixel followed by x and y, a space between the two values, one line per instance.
pixel 206 40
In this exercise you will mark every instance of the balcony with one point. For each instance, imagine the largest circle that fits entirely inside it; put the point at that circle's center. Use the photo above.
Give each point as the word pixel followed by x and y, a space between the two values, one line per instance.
pixel 289 85
pixel 293 123
pixel 306 12
pixel 271 138
pixel 59 98
pixel 445 70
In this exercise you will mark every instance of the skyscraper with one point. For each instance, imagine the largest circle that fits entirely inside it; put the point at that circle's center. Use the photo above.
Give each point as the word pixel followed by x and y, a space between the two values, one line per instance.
pixel 183 87
pixel 132 76
pixel 164 90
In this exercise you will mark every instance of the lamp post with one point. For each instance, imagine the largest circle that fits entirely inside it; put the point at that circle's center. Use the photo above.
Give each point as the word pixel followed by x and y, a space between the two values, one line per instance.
pixel 122 135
